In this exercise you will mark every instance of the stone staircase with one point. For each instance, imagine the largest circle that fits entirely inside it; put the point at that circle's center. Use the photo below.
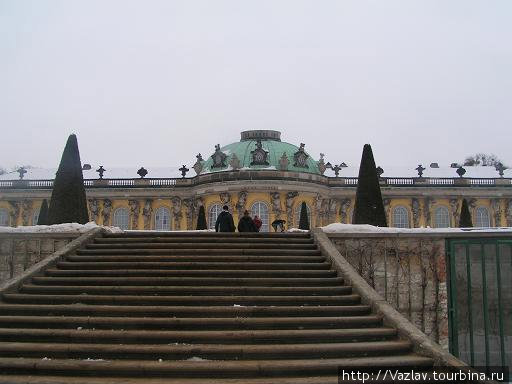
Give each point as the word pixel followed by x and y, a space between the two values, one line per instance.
pixel 142 307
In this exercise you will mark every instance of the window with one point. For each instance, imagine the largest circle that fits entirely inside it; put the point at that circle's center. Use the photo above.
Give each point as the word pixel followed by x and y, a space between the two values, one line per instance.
pixel 261 209
pixel 296 217
pixel 4 218
pixel 213 213
pixel 482 217
pixel 122 218
pixel 35 216
pixel 401 217
pixel 163 219
pixel 441 217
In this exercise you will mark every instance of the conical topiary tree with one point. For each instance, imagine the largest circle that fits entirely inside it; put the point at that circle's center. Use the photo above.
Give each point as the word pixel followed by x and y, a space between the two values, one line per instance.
pixel 465 216
pixel 304 219
pixel 201 219
pixel 43 214
pixel 68 203
pixel 368 208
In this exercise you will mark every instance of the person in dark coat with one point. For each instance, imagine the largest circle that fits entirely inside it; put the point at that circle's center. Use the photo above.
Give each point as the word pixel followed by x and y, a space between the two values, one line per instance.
pixel 225 221
pixel 246 224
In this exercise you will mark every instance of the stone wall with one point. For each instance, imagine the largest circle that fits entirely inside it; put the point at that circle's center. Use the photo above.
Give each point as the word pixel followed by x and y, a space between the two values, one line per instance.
pixel 19 252
pixel 408 271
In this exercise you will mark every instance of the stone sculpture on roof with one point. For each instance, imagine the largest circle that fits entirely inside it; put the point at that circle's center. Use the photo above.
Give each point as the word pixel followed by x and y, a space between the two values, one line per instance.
pixel 219 158
pixel 300 157
pixel 259 155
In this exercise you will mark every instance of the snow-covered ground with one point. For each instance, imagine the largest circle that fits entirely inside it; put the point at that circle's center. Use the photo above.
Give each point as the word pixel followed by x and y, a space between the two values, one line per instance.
pixel 364 228
pixel 57 228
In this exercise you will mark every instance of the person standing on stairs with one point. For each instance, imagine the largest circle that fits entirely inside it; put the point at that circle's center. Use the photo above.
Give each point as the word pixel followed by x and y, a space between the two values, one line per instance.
pixel 225 221
pixel 246 224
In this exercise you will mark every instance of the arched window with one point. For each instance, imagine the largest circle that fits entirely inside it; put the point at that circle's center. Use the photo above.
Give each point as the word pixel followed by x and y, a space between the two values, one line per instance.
pixel 121 218
pixel 163 219
pixel 213 213
pixel 400 217
pixel 261 209
pixel 441 217
pixel 35 216
pixel 482 217
pixel 296 216
pixel 4 218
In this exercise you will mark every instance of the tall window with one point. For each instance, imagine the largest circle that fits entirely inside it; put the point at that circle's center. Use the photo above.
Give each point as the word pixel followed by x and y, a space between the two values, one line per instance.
pixel 441 217
pixel 296 216
pixel 4 218
pixel 35 216
pixel 401 217
pixel 261 209
pixel 121 218
pixel 482 217
pixel 162 219
pixel 213 213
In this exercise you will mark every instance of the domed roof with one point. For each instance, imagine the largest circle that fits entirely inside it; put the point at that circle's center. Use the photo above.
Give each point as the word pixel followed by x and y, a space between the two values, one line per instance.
pixel 260 150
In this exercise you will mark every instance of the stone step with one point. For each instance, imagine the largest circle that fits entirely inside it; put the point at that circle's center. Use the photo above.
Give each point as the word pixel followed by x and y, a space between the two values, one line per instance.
pixel 192 265
pixel 206 369
pixel 184 290
pixel 283 336
pixel 201 235
pixel 196 258
pixel 255 273
pixel 210 239
pixel 204 245
pixel 201 251
pixel 200 323
pixel 196 300
pixel 151 277
pixel 177 351
pixel 181 311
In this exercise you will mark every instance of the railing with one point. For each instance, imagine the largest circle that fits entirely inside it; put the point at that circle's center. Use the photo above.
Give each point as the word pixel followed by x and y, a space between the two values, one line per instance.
pixel 255 175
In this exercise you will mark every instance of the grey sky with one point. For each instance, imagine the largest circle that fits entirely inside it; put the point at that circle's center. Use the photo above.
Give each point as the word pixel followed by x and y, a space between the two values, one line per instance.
pixel 156 82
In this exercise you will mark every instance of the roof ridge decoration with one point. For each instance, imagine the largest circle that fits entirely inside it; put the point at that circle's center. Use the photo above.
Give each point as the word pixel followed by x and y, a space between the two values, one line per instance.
pixel 259 155
pixel 219 158
pixel 300 157
pixel 198 166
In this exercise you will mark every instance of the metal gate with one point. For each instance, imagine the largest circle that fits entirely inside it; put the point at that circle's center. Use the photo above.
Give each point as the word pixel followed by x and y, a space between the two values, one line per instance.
pixel 480 301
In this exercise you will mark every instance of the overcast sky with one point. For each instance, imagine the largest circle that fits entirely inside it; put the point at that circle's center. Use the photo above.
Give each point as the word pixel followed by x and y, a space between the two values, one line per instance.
pixel 152 82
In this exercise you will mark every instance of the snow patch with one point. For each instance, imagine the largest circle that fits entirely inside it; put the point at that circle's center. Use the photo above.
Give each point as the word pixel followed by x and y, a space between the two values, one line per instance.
pixel 365 228
pixel 195 358
pixel 297 230
pixel 58 228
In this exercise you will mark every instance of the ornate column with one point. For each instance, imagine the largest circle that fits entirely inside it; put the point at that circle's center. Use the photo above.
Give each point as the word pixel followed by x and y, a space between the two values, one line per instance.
pixel 416 212
pixel 331 217
pixel 26 212
pixel 189 212
pixel 94 209
pixel 427 206
pixel 107 211
pixel 454 206
pixel 14 212
pixel 147 211
pixel 290 198
pixel 387 210
pixel 134 213
pixel 344 207
pixel 275 198
pixel 508 212
pixel 225 199
pixel 240 204
pixel 176 211
pixel 496 211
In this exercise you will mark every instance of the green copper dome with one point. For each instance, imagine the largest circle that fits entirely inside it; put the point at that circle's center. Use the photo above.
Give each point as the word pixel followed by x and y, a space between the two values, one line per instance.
pixel 260 150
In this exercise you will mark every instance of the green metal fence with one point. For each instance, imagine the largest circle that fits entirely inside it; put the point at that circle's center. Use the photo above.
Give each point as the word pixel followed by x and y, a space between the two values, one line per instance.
pixel 480 301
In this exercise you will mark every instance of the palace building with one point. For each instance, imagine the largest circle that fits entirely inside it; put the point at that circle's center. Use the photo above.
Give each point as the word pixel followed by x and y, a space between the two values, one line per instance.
pixel 271 178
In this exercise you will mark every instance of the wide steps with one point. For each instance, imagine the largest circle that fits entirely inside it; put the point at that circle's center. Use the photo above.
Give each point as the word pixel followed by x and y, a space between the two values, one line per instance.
pixel 184 290
pixel 203 245
pixel 200 251
pixel 196 258
pixel 364 321
pixel 303 267
pixel 152 277
pixel 282 336
pixel 202 368
pixel 181 311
